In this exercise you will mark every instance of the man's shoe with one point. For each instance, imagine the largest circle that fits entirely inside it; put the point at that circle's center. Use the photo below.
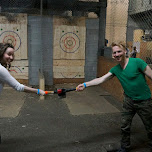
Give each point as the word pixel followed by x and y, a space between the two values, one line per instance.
pixel 123 150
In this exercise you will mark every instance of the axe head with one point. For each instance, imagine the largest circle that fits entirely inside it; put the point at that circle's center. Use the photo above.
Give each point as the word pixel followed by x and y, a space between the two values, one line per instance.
pixel 61 93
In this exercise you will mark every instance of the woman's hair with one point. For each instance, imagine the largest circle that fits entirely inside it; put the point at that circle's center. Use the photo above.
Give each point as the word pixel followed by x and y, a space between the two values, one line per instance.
pixel 122 45
pixel 3 48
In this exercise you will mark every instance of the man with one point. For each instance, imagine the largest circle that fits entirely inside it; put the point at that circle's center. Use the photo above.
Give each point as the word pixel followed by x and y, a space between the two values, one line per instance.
pixel 134 52
pixel 137 96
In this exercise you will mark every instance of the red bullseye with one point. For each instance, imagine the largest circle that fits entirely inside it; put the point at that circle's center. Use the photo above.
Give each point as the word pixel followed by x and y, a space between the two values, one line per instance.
pixel 10 39
pixel 68 41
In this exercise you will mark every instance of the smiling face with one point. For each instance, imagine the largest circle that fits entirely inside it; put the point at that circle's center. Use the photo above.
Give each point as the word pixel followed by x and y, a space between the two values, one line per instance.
pixel 8 56
pixel 118 53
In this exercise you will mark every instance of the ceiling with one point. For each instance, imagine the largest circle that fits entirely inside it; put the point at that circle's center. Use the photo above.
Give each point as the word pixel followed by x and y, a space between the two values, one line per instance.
pixel 63 5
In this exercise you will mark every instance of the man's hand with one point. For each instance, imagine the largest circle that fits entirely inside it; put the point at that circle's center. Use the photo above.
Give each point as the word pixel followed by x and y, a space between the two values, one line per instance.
pixel 80 87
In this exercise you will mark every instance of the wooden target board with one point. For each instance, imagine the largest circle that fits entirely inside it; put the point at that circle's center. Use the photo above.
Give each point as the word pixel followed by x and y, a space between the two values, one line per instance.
pixel 69 51
pixel 15 33
pixel 69 42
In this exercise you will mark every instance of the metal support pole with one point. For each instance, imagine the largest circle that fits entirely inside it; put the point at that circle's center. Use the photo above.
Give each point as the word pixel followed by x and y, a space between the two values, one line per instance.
pixel 41 71
pixel 41 15
pixel 41 9
pixel 102 27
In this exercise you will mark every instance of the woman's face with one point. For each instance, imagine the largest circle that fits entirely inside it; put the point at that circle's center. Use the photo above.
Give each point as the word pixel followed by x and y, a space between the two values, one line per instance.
pixel 8 56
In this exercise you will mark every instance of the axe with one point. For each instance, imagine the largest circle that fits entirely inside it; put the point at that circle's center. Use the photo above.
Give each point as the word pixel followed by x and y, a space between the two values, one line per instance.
pixel 61 92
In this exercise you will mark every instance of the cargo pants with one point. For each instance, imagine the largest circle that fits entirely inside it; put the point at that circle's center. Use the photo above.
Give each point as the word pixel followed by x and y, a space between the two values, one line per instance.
pixel 130 107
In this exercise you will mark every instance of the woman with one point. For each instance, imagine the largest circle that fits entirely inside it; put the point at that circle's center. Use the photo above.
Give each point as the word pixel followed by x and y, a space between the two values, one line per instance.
pixel 6 57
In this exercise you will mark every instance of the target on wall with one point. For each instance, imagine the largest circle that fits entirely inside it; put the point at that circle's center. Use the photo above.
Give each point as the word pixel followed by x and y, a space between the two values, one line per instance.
pixel 16 69
pixel 69 42
pixel 12 38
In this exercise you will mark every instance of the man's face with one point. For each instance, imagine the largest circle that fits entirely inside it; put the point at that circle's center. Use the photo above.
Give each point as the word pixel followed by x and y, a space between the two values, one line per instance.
pixel 118 53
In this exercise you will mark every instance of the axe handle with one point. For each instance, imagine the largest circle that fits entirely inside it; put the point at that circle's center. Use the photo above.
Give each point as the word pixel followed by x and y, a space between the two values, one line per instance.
pixel 49 92
pixel 68 90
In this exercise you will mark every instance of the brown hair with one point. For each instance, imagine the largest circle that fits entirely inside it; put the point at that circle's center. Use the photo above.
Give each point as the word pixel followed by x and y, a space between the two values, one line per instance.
pixel 3 48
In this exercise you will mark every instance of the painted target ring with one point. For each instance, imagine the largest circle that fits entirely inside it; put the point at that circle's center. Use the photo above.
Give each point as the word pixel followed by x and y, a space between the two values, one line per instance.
pixel 69 42
pixel 12 38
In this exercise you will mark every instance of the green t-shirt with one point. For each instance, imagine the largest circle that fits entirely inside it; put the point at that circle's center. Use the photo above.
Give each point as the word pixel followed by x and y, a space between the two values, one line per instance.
pixel 133 79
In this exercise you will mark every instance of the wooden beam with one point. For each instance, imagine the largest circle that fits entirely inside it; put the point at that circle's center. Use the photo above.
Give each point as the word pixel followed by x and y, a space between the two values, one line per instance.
pixel 41 84
pixel 80 6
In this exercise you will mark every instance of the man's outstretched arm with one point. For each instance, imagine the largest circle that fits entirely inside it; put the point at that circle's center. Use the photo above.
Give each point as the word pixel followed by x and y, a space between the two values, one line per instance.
pixel 96 81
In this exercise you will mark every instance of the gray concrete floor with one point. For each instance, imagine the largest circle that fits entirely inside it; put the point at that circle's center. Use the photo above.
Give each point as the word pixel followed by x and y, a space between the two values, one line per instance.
pixel 87 121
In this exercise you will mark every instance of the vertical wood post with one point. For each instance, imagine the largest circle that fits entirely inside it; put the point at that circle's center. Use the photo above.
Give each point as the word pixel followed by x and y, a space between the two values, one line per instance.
pixel 41 84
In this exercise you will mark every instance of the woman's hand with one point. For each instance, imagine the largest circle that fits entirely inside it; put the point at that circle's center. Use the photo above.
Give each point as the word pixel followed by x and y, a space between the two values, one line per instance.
pixel 41 92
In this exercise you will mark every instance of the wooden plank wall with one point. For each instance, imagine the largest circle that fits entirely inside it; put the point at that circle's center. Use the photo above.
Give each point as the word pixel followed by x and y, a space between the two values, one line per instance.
pixel 15 32
pixel 69 48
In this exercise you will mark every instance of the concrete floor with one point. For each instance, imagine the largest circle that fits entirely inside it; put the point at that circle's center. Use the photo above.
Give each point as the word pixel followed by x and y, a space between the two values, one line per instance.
pixel 87 121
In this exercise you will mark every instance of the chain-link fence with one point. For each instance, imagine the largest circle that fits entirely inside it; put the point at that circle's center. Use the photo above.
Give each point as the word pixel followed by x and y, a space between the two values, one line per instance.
pixel 126 20
pixel 130 21
pixel 139 29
